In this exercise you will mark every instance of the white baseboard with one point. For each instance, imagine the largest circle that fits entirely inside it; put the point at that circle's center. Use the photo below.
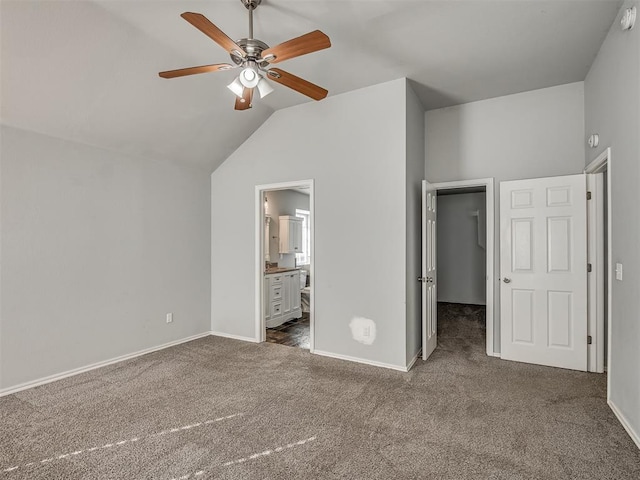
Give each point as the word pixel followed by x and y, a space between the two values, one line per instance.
pixel 360 360
pixel 93 366
pixel 625 423
pixel 493 354
pixel 412 362
pixel 235 337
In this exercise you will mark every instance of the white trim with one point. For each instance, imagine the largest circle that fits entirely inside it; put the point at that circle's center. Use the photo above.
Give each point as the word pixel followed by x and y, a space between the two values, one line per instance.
pixel 260 190
pixel 595 279
pixel 415 358
pixel 601 163
pixel 362 360
pixel 625 423
pixel 490 228
pixel 234 337
pixel 93 366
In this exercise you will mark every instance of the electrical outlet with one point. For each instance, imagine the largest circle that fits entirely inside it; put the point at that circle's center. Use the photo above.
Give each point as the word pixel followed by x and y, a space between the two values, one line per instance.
pixel 169 317
pixel 366 332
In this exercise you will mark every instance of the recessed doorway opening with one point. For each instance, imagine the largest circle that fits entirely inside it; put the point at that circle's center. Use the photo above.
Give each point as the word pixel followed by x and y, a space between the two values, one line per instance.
pixel 464 297
pixel 461 250
pixel 284 267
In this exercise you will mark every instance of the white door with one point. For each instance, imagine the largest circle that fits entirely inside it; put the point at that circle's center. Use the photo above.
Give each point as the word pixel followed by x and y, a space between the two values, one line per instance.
pixel 543 270
pixel 428 278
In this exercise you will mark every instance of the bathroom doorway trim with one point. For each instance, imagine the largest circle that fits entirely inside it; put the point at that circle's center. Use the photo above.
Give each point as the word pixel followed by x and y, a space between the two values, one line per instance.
pixel 490 241
pixel 260 327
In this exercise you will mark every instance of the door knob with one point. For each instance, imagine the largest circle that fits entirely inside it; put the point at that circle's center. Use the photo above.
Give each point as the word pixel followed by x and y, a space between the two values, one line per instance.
pixel 422 279
pixel 506 280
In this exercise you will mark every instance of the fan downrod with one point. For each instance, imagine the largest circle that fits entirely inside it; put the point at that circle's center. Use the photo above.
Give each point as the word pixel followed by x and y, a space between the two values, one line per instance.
pixel 251 4
pixel 252 46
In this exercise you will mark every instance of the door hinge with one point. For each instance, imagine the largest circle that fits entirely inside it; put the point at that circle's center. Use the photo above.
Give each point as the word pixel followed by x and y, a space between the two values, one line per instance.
pixel 589 340
pixel 589 268
pixel 588 195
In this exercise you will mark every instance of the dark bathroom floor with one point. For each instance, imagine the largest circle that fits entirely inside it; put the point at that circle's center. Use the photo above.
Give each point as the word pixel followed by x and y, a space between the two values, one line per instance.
pixel 294 333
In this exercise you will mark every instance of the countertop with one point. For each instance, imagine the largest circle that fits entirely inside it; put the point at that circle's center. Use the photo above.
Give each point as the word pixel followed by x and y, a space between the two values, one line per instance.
pixel 271 270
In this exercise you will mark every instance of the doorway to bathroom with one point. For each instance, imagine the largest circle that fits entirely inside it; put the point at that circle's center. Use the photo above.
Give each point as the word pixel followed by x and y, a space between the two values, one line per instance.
pixel 284 266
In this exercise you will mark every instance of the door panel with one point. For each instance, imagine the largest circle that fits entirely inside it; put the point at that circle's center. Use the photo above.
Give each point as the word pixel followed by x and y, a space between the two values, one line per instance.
pixel 522 244
pixel 429 272
pixel 559 244
pixel 544 271
pixel 559 319
pixel 522 308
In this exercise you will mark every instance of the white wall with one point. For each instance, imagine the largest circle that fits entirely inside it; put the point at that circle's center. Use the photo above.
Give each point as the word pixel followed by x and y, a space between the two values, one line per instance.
pixel 353 146
pixel 415 175
pixel 96 248
pixel 526 135
pixel 461 257
pixel 612 109
pixel 283 202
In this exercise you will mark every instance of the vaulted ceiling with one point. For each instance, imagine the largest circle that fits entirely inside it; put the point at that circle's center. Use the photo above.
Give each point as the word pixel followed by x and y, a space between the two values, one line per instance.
pixel 88 71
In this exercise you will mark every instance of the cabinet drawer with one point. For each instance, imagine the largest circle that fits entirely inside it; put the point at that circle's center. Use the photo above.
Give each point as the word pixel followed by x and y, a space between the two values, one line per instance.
pixel 276 309
pixel 276 279
pixel 276 292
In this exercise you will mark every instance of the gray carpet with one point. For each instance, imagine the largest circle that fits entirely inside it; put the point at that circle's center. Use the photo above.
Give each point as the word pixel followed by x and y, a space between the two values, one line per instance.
pixel 220 408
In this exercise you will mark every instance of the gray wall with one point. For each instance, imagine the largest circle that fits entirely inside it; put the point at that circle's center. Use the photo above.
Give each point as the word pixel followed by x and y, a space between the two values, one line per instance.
pixel 526 135
pixel 283 202
pixel 612 108
pixel 353 145
pixel 461 259
pixel 415 175
pixel 96 248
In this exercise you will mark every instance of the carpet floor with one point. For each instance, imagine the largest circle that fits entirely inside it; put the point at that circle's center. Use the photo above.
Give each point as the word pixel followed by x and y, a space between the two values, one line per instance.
pixel 225 409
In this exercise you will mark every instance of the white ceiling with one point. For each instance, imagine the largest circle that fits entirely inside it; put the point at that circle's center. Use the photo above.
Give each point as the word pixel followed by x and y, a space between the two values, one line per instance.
pixel 87 71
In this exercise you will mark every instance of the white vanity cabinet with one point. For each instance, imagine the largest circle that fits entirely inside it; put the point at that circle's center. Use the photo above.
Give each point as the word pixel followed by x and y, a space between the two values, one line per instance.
pixel 290 234
pixel 296 294
pixel 281 297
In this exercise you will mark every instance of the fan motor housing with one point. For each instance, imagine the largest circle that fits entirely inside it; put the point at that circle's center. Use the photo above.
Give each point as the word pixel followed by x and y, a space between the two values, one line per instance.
pixel 252 47
pixel 251 4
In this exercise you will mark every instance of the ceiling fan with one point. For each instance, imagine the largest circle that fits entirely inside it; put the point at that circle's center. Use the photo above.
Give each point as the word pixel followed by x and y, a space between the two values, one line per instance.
pixel 255 58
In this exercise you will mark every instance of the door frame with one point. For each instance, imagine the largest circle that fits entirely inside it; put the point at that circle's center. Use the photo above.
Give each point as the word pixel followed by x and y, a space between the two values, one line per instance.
pixel 488 183
pixel 596 289
pixel 260 190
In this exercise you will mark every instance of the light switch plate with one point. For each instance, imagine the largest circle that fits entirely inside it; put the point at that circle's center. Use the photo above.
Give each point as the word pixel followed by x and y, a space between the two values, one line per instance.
pixel 619 271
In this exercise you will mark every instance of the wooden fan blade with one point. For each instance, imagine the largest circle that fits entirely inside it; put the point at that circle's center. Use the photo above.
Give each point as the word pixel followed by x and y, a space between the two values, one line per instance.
pixel 244 103
pixel 203 24
pixel 193 70
pixel 308 43
pixel 298 84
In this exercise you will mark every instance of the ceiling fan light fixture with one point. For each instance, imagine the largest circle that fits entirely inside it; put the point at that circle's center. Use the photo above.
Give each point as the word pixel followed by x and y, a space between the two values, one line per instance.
pixel 253 57
pixel 264 88
pixel 249 77
pixel 236 87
